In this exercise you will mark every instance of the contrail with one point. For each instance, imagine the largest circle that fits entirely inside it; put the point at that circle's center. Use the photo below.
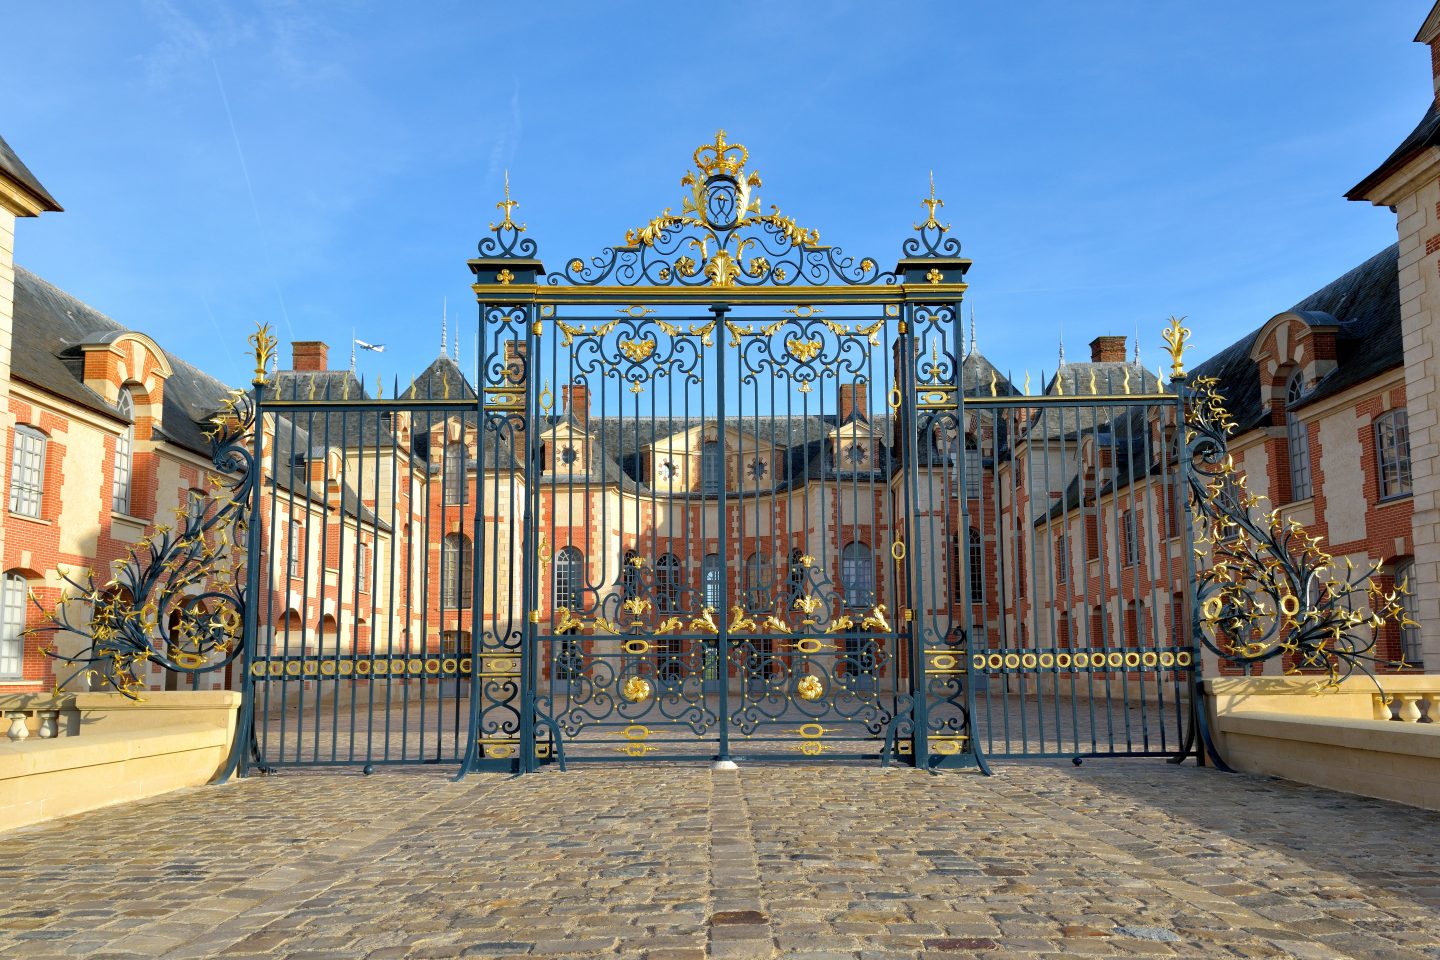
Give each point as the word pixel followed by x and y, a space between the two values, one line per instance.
pixel 254 206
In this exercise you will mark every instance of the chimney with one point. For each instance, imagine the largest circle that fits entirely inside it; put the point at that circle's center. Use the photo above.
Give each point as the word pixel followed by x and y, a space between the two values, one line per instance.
pixel 1107 350
pixel 309 355
pixel 852 398
pixel 515 362
pixel 577 402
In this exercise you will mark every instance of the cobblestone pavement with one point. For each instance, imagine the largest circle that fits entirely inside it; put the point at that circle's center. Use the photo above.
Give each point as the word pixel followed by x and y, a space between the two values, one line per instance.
pixel 671 862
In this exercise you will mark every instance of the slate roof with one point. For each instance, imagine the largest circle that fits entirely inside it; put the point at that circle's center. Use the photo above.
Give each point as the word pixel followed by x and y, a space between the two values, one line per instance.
pixel 49 327
pixel 1425 135
pixel 1365 305
pixel 975 374
pixel 367 429
pixel 1070 423
pixel 13 167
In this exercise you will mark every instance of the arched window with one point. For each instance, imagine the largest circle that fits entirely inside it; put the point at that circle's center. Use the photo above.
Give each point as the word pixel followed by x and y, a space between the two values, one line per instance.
pixel 758 577
pixel 569 580
pixel 972 467
pixel 629 575
pixel 1298 440
pixel 455 570
pixel 454 482
pixel 1392 453
pixel 667 583
pixel 27 472
pixel 1409 636
pixel 710 581
pixel 857 575
pixel 124 447
pixel 12 625
pixel 712 467
pixel 977 568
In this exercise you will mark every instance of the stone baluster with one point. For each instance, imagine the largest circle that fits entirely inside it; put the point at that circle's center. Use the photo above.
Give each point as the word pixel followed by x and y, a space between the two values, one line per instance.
pixel 18 730
pixel 1381 702
pixel 48 720
pixel 1409 707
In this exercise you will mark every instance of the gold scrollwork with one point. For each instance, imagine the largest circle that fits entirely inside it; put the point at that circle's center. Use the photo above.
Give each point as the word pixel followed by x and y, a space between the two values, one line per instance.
pixel 932 203
pixel 637 350
pixel 803 350
pixel 1176 335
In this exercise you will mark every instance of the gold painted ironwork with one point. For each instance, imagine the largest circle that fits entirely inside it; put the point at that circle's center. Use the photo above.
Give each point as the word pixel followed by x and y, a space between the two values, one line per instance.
pixel 637 350
pixel 669 625
pixel 740 622
pixel 264 342
pixel 705 623
pixel 507 205
pixel 934 276
pixel 1176 336
pixel 932 203
pixel 567 622
pixel 803 350
pixel 810 688
pixel 774 624
pixel 841 624
pixel 505 276
pixel 636 689
pixel 875 619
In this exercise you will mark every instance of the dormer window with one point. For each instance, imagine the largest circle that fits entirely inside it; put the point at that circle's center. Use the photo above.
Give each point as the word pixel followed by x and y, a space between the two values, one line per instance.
pixel 1298 440
pixel 568 456
pixel 855 454
pixel 757 469
pixel 668 470
pixel 712 467
pixel 124 450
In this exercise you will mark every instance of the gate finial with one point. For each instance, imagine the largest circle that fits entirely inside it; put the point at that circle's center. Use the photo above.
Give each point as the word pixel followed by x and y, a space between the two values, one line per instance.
pixel 444 325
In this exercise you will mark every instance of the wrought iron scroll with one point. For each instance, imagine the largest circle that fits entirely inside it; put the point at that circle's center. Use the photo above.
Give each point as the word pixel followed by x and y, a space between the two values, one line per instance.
pixel 1265 587
pixel 177 598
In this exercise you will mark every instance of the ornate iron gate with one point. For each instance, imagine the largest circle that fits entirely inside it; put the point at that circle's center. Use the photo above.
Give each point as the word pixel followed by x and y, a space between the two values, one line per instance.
pixel 711 494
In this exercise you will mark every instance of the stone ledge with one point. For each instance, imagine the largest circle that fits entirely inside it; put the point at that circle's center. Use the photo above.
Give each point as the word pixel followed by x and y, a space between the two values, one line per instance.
pixel 35 757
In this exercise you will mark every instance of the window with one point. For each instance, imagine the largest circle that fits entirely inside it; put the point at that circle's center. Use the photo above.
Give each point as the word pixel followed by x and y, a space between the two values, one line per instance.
pixel 1062 559
pixel 857 575
pixel 629 575
pixel 712 467
pixel 667 583
pixel 977 568
pixel 569 580
pixel 1298 440
pixel 1129 540
pixel 124 447
pixel 1409 636
pixel 454 477
pixel 972 468
pixel 195 504
pixel 27 472
pixel 12 625
pixel 362 567
pixel 957 573
pixel 758 577
pixel 455 570
pixel 797 573
pixel 710 582
pixel 296 549
pixel 1392 450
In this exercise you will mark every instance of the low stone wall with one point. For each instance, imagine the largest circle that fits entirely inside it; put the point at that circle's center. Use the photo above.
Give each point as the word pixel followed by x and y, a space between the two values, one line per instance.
pixel 89 750
pixel 1349 739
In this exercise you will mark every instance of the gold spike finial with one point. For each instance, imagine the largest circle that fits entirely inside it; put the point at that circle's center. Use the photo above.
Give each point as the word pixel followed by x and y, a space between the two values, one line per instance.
pixel 1027 383
pixel 507 205
pixel 264 341
pixel 931 203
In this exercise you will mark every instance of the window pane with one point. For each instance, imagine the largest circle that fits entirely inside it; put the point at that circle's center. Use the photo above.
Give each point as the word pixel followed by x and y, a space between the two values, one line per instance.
pixel 12 626
pixel 1298 438
pixel 27 472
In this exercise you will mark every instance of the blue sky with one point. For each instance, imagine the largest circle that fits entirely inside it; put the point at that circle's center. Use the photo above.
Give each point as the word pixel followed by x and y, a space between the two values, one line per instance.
pixel 328 165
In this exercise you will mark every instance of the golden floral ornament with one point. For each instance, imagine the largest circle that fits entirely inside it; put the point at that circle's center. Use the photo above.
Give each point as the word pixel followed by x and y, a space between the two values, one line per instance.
pixel 934 276
pixel 759 266
pixel 505 276
pixel 507 205
pixel 684 267
pixel 637 350
pixel 636 689
pixel 1176 335
pixel 722 269
pixel 264 342
pixel 932 203
pixel 803 350
pixel 810 688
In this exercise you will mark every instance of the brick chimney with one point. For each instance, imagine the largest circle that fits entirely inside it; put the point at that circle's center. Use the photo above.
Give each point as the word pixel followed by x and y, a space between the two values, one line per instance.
pixel 1430 34
pixel 515 362
pixel 309 355
pixel 1107 350
pixel 853 397
pixel 577 402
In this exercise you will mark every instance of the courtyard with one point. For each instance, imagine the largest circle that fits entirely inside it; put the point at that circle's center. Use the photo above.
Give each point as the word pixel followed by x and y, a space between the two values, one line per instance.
pixel 672 862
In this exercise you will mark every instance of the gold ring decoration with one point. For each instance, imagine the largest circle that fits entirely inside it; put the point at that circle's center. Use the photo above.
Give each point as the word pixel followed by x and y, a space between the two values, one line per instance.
pixel 414 666
pixel 897 549
pixel 379 668
pixel 327 668
pixel 996 661
pixel 810 688
pixel 308 668
pixel 1116 659
pixel 1012 660
pixel 811 730
pixel 1062 660
pixel 346 668
pixel 1148 658
pixel 257 669
pixel 292 668
pixel 945 748
pixel 448 665
pixel 465 665
pixel 1027 660
pixel 432 666
pixel 277 668
pixel 636 731
pixel 978 661
pixel 1081 660
pixel 808 645
pixel 1132 659
pixel 1167 659
pixel 1047 660
pixel 397 666
pixel 636 646
pixel 1211 608
pixel 811 748
pixel 362 667
pixel 895 397
pixel 1183 658
pixel 1290 605
pixel 636 689
pixel 942 661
